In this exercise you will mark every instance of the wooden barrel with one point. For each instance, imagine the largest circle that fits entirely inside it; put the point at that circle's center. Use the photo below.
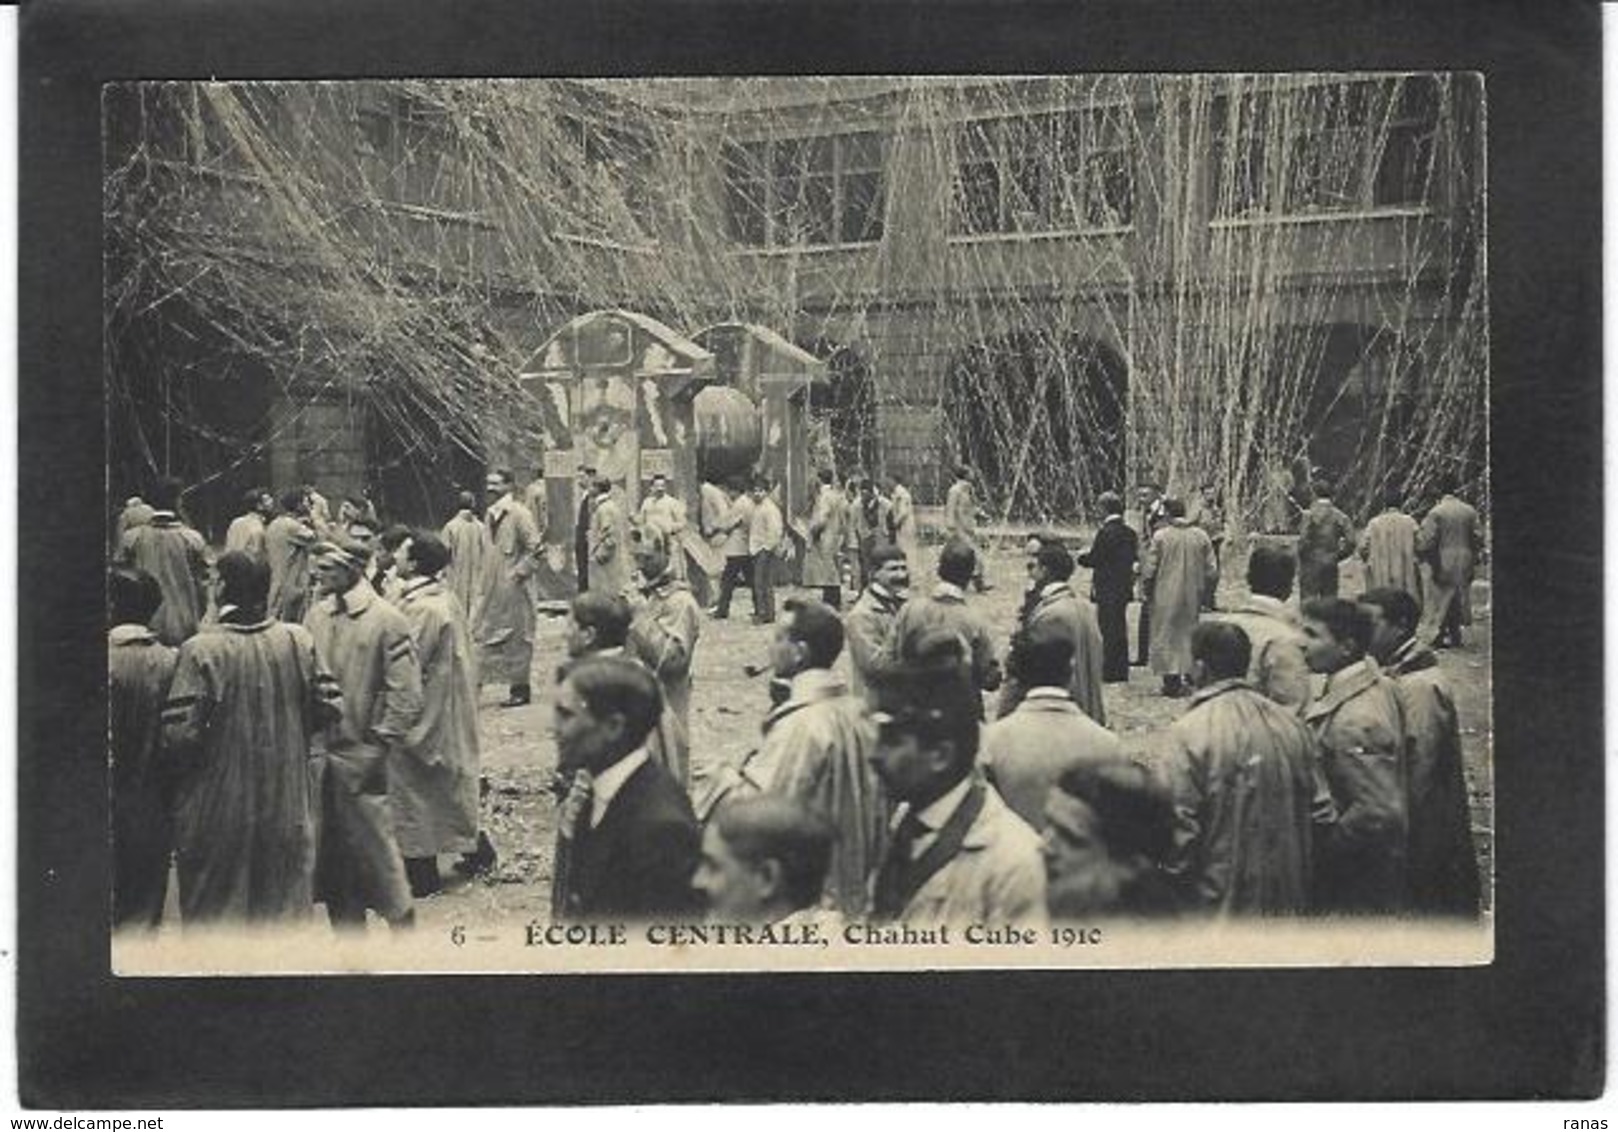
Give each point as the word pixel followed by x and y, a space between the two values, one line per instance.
pixel 730 434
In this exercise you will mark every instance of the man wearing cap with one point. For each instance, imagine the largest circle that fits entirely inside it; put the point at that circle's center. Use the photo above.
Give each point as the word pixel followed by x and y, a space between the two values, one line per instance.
pixel 177 557
pixel 505 629
pixel 869 625
pixel 957 853
pixel 816 749
pixel 609 541
pixel 467 540
pixel 367 643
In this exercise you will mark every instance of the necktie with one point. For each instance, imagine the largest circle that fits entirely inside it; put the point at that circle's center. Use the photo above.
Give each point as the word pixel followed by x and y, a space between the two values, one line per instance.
pixel 888 900
pixel 572 824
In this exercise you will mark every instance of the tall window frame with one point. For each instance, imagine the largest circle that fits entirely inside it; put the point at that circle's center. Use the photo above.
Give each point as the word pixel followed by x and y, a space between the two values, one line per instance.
pixel 820 190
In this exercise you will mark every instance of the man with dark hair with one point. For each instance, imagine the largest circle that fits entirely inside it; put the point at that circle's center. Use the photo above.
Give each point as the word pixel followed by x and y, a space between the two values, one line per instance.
pixel 367 642
pixel 764 861
pixel 384 573
pixel 1388 547
pixel 504 631
pixel 870 517
pixel 961 519
pixel 1241 769
pixel 609 541
pixel 816 748
pixel 586 488
pixel 1109 828
pixel 1053 603
pixel 1325 538
pixel 247 700
pixel 828 519
pixel 176 556
pixel 1179 569
pixel 736 527
pixel 139 669
pixel 665 623
pixel 597 624
pixel 662 519
pixel 246 531
pixel 1111 560
pixel 946 608
pixel 1449 541
pixel 1024 753
pixel 870 623
pixel 467 540
pixel 901 526
pixel 1277 668
pixel 1149 497
pixel 287 541
pixel 626 838
pixel 1442 860
pixel 765 532
pixel 433 789
pixel 957 854
pixel 1359 727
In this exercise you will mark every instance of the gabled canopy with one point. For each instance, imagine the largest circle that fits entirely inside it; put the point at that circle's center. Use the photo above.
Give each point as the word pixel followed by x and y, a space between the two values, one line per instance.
pixel 753 358
pixel 621 343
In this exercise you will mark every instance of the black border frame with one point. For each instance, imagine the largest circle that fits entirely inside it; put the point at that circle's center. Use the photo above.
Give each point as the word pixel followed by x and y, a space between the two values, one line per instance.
pixel 1530 1025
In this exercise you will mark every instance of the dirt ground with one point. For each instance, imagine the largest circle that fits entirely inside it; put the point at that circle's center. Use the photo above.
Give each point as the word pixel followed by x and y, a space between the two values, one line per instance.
pixel 727 707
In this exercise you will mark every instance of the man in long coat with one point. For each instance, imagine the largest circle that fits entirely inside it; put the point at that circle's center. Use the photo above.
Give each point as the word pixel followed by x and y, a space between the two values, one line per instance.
pixel 828 519
pixel 1152 516
pixel 1325 538
pixel 1050 567
pixel 946 608
pixel 367 643
pixel 246 531
pixel 468 542
pixel 1025 753
pixel 662 518
pixel 1388 548
pixel 817 747
pixel 663 630
pixel 961 518
pixel 139 669
pixel 609 541
pixel 1111 560
pixel 869 624
pixel 177 557
pixel 1277 667
pixel 1449 541
pixel 1179 569
pixel 1359 725
pixel 287 541
pixel 1443 861
pixel 136 512
pixel 902 522
pixel 434 785
pixel 247 700
pixel 505 629
pixel 1241 769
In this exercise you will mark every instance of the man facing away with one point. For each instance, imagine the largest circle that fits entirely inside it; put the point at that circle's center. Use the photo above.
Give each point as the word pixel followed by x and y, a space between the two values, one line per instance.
pixel 764 861
pixel 177 557
pixel 367 643
pixel 1024 754
pixel 957 854
pixel 505 630
pixel 1241 769
pixel 609 541
pixel 247 700
pixel 1325 538
pixel 961 518
pixel 1361 862
pixel 902 521
pixel 287 542
pixel 246 531
pixel 1179 568
pixel 869 625
pixel 1111 560
pixel 1443 863
pixel 1277 667
pixel 1388 547
pixel 1053 602
pixel 947 608
pixel 816 749
pixel 663 630
pixel 828 519
pixel 627 841
pixel 139 669
pixel 467 540
pixel 1449 541
pixel 434 785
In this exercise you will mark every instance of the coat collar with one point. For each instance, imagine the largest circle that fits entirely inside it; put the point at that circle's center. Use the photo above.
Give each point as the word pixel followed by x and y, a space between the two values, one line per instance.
pixel 1218 688
pixel 356 601
pixel 1046 698
pixel 1053 593
pixel 1343 686
pixel 811 686
pixel 419 588
pixel 1266 606
pixel 1412 656
pixel 950 593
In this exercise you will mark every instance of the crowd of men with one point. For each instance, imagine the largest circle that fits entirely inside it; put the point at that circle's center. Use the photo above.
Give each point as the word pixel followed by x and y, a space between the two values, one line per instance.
pixel 295 722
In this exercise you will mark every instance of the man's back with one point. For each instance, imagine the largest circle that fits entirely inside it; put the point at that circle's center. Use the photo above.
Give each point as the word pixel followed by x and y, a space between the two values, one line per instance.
pixel 947 609
pixel 1277 668
pixel 1026 752
pixel 176 556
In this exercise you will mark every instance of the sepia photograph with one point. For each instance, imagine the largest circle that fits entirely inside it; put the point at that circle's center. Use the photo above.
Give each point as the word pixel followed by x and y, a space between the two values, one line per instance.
pixel 800 522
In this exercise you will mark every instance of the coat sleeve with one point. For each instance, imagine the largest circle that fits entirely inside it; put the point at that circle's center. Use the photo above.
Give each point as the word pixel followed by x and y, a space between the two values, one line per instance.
pixel 867 643
pixel 402 685
pixel 1017 894
pixel 1186 779
pixel 1283 673
pixel 664 641
pixel 192 698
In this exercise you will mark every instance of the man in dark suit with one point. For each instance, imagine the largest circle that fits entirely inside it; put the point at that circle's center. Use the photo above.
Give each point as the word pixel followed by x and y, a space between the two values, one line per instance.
pixel 581 529
pixel 627 842
pixel 1111 559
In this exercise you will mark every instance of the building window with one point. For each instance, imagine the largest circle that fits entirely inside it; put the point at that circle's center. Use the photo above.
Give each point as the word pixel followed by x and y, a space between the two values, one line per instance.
pixel 796 192
pixel 614 165
pixel 1059 172
pixel 1346 147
